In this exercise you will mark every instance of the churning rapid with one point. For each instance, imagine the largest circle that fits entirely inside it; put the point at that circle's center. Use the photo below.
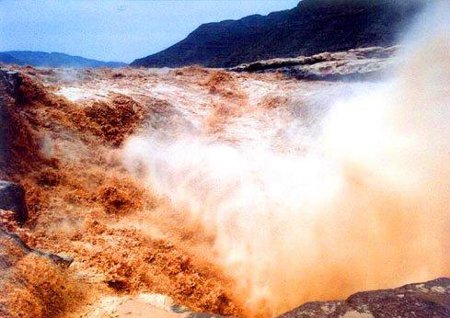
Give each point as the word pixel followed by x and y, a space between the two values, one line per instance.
pixel 323 201
pixel 234 193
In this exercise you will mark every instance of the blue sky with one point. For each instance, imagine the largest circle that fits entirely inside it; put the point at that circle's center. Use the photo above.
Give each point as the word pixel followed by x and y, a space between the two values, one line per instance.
pixel 115 30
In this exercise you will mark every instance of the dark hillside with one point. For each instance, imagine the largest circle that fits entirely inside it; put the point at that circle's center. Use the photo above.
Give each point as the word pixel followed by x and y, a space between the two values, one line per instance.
pixel 312 27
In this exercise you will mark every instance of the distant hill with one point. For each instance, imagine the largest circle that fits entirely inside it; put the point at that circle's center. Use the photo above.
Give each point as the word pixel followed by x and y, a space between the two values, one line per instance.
pixel 9 59
pixel 44 59
pixel 312 27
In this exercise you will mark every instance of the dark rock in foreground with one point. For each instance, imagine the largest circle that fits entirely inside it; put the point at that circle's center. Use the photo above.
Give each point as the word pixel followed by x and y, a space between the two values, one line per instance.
pixel 11 81
pixel 423 300
pixel 12 198
pixel 356 64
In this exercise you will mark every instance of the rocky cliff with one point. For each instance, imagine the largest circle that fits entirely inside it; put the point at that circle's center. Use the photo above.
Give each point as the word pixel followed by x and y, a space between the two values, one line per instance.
pixel 357 64
pixel 428 299
pixel 312 27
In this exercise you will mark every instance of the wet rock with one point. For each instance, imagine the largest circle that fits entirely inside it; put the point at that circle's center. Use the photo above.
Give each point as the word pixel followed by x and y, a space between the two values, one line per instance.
pixel 356 64
pixel 22 249
pixel 144 305
pixel 424 300
pixel 12 198
pixel 206 315
pixel 12 81
pixel 33 283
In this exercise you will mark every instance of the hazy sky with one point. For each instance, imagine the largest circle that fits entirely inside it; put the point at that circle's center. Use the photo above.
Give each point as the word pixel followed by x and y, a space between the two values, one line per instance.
pixel 115 30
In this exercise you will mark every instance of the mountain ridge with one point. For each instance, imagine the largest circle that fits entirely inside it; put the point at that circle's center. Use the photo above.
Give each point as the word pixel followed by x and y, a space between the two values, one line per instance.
pixel 53 59
pixel 312 27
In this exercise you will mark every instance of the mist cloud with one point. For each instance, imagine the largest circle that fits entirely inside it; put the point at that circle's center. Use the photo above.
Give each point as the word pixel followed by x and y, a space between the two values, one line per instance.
pixel 362 205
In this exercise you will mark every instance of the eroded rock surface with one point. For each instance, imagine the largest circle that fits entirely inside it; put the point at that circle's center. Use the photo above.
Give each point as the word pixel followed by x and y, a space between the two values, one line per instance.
pixel 354 64
pixel 11 81
pixel 11 239
pixel 32 283
pixel 12 197
pixel 424 300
